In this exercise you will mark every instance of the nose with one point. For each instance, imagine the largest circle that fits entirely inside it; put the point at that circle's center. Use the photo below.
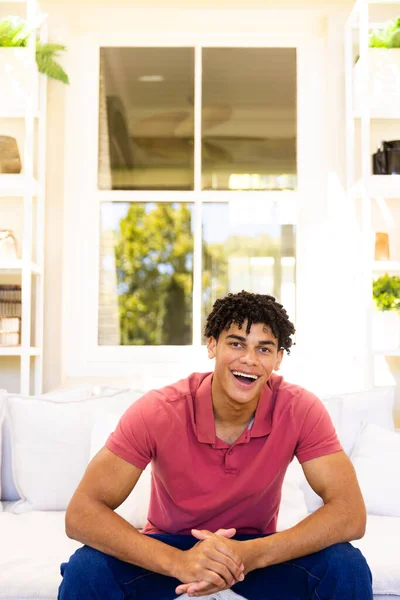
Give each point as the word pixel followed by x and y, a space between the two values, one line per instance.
pixel 249 358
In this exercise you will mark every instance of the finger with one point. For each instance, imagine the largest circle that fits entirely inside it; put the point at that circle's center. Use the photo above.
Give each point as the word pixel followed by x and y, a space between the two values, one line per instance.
pixel 212 576
pixel 228 533
pixel 220 564
pixel 182 589
pixel 229 552
pixel 201 534
pixel 200 588
pixel 226 562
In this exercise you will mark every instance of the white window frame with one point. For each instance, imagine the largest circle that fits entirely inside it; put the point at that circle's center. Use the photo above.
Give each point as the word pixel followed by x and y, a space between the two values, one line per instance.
pixel 82 355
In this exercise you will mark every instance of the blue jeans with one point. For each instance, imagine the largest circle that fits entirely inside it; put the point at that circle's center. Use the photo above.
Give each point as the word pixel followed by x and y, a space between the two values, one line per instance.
pixel 340 572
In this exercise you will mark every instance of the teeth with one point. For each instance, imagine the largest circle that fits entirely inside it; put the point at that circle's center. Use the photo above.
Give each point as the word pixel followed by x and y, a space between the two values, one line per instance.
pixel 245 374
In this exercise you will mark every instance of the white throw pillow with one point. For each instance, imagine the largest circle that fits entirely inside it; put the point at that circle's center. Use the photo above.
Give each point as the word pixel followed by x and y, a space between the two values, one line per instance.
pixel 135 508
pixel 69 394
pixel 293 507
pixel 51 445
pixel 349 414
pixel 376 459
pixel 80 392
pixel 3 396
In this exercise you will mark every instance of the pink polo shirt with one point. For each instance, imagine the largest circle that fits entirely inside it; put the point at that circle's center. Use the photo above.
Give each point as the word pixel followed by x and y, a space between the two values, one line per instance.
pixel 199 481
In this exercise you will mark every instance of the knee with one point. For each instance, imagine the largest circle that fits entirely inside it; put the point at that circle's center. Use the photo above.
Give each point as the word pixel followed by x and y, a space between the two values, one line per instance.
pixel 83 569
pixel 345 559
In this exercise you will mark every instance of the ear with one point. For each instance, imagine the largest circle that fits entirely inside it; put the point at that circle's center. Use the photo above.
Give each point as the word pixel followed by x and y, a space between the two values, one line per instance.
pixel 211 347
pixel 278 360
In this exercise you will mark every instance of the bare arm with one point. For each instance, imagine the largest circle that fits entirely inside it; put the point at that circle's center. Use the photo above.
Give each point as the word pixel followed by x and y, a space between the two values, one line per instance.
pixel 91 519
pixel 90 516
pixel 341 519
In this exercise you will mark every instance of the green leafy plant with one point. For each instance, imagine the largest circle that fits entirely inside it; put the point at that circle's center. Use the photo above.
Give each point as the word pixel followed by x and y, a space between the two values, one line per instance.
pixel 388 37
pixel 386 292
pixel 15 32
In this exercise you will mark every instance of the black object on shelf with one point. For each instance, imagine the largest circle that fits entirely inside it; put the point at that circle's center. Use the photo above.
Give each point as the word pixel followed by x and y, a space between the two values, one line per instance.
pixel 386 161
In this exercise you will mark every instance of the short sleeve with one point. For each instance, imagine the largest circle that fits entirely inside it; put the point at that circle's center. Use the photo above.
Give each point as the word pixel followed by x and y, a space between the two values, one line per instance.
pixel 131 439
pixel 317 435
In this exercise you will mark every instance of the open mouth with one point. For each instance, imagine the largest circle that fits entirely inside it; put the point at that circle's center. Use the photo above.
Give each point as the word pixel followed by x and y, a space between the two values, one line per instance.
pixel 245 378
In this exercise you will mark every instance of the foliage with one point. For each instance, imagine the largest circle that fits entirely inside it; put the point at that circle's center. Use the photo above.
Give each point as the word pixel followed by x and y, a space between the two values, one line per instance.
pixel 15 32
pixel 388 37
pixel 47 65
pixel 386 292
pixel 154 255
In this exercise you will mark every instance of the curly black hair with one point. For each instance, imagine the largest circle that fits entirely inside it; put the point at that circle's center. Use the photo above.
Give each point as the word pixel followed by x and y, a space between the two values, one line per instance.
pixel 253 308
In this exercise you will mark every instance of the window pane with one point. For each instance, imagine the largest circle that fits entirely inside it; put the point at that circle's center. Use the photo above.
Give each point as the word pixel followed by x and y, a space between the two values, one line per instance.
pixel 247 256
pixel 146 280
pixel 249 119
pixel 146 118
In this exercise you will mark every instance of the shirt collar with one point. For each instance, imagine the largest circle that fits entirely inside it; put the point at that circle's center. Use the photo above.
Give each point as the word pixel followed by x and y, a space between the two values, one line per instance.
pixel 204 414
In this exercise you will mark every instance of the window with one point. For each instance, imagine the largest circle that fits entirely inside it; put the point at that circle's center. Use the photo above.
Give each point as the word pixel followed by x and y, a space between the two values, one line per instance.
pixel 197 173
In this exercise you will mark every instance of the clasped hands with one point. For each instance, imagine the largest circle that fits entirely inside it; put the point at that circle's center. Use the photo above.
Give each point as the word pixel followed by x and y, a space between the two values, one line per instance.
pixel 215 563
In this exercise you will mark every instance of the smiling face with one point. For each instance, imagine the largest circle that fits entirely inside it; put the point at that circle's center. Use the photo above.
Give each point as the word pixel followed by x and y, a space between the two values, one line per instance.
pixel 244 362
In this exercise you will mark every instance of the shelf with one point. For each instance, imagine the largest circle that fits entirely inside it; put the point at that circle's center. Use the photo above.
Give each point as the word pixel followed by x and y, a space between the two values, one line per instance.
pixel 17 351
pixel 17 185
pixel 384 186
pixel 380 115
pixel 385 266
pixel 14 267
pixel 17 115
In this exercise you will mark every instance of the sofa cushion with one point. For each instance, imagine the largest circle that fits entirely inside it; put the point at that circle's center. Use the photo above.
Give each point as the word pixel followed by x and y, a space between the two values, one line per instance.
pixel 376 459
pixel 3 396
pixel 75 393
pixel 30 560
pixel 32 569
pixel 293 507
pixel 135 508
pixel 349 413
pixel 373 406
pixel 51 444
pixel 380 546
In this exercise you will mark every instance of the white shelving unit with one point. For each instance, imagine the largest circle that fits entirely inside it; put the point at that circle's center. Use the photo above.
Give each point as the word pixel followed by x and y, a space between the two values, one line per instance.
pixel 385 186
pixel 30 187
pixel 367 187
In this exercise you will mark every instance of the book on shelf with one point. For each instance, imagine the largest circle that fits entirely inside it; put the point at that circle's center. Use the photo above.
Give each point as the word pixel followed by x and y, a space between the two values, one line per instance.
pixel 10 301
pixel 10 331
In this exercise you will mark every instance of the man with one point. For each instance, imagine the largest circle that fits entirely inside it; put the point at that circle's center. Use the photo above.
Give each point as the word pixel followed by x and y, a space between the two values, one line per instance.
pixel 220 444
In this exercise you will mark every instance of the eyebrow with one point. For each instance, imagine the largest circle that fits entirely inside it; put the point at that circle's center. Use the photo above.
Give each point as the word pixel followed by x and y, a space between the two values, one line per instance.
pixel 243 339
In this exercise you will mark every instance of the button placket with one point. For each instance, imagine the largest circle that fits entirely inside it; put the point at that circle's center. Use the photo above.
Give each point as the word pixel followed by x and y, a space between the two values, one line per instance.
pixel 228 464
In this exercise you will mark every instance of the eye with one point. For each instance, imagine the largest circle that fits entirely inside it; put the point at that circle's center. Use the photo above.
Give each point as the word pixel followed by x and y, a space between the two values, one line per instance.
pixel 265 350
pixel 235 344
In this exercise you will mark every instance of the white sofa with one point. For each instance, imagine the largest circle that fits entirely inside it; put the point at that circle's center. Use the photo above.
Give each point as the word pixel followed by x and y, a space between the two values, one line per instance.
pixel 47 442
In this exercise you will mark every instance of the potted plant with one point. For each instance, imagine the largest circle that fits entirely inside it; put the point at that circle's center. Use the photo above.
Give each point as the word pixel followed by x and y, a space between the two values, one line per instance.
pixel 19 65
pixel 384 70
pixel 386 320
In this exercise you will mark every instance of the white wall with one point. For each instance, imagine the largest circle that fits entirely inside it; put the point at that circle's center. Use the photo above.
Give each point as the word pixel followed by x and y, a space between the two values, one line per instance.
pixel 73 26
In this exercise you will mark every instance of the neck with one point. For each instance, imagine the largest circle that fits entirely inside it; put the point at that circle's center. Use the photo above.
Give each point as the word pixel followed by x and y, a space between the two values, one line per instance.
pixel 229 412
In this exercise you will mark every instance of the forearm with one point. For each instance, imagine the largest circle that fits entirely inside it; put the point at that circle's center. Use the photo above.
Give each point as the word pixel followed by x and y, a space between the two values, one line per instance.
pixel 328 525
pixel 96 525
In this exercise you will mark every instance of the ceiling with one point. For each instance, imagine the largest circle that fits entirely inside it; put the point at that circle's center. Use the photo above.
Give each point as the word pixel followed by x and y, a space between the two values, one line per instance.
pixel 241 77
